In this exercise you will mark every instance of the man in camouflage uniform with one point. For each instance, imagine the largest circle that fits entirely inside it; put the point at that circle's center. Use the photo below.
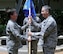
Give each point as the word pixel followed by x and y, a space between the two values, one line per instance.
pixel 48 31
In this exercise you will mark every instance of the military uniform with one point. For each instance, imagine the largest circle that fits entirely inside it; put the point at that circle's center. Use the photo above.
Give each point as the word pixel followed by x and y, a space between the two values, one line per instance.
pixel 14 37
pixel 48 34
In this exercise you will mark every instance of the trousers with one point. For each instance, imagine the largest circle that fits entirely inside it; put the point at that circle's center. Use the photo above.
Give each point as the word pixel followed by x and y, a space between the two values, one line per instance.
pixel 13 51
pixel 34 46
pixel 48 50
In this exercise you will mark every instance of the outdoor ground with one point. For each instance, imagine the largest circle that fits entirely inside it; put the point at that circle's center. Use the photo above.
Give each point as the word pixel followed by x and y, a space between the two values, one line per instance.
pixel 61 52
pixel 23 50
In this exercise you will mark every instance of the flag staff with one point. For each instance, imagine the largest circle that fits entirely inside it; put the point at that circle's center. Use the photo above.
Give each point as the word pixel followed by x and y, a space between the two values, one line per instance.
pixel 29 11
pixel 29 42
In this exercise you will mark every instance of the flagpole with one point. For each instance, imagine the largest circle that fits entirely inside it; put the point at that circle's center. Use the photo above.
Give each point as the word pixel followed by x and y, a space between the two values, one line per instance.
pixel 29 43
pixel 29 6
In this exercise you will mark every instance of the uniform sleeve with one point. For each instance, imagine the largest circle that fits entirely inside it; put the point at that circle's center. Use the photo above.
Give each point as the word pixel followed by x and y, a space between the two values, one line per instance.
pixel 37 35
pixel 45 30
pixel 15 32
pixel 24 21
pixel 38 25
pixel 24 26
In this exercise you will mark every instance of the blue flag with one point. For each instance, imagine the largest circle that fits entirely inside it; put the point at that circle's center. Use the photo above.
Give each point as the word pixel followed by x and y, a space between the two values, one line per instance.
pixel 29 4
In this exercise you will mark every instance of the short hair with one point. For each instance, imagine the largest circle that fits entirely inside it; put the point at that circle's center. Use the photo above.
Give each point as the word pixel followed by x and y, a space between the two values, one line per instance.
pixel 48 8
pixel 11 13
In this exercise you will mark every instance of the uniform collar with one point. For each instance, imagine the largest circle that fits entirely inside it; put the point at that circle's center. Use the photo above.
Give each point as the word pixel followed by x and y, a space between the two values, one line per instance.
pixel 12 20
pixel 48 17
